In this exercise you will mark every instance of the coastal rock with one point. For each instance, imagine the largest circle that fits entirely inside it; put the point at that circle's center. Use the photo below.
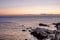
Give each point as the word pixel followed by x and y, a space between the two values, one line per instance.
pixel 41 24
pixel 45 34
pixel 57 25
pixel 41 33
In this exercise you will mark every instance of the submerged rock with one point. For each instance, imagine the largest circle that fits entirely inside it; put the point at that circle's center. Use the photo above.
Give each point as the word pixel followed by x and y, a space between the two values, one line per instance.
pixel 41 24
pixel 23 30
pixel 26 39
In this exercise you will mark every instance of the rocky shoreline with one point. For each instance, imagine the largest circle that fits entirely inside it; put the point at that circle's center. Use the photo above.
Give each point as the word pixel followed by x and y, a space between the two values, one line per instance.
pixel 29 33
pixel 45 34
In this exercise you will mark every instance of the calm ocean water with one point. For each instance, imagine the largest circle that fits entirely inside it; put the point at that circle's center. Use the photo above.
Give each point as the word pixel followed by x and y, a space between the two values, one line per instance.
pixel 10 27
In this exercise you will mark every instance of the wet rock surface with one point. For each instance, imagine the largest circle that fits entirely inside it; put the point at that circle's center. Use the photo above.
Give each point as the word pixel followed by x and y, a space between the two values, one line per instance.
pixel 41 24
pixel 57 25
pixel 45 34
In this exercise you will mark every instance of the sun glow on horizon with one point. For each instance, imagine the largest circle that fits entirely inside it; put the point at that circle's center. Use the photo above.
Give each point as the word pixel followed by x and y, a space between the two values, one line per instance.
pixel 20 7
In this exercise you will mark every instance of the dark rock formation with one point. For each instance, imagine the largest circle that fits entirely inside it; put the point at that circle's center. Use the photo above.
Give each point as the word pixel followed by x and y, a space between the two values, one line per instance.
pixel 23 30
pixel 26 39
pixel 41 33
pixel 41 24
pixel 57 25
pixel 46 34
pixel 57 32
pixel 57 35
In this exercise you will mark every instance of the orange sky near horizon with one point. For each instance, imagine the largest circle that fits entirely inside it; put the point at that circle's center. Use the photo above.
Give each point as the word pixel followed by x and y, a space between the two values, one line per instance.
pixel 27 12
pixel 36 7
pixel 21 12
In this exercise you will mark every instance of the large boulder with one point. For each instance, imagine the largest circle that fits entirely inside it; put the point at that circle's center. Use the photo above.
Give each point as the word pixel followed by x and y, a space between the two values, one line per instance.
pixel 41 33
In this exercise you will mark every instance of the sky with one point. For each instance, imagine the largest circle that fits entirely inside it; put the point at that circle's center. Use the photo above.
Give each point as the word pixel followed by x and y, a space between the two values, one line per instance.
pixel 19 7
